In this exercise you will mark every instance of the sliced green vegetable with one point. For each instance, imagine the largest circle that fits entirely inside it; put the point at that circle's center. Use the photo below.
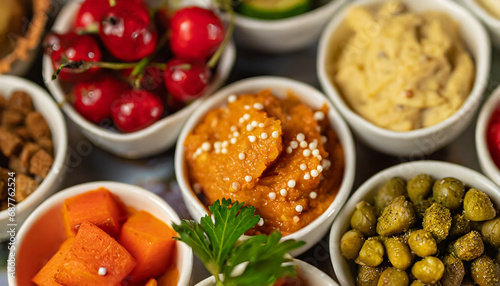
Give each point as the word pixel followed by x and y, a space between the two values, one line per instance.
pixel 273 9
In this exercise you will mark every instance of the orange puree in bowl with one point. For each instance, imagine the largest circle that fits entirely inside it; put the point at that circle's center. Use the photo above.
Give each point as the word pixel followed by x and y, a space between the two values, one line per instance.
pixel 277 155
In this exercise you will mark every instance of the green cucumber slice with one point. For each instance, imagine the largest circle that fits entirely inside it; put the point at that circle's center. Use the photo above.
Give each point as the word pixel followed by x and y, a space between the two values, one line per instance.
pixel 273 9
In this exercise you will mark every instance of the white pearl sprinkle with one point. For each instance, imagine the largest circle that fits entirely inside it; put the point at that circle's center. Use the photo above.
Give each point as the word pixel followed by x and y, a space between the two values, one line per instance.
pixel 318 128
pixel 313 145
pixel 319 157
pixel 246 116
pixel 299 208
pixel 206 146
pixel 307 177
pixel 301 137
pixel 102 271
pixel 252 138
pixel 261 125
pixel 313 195
pixel 236 134
pixel 224 151
pixel 248 178
pixel 242 120
pixel 319 168
pixel 217 151
pixel 306 153
pixel 255 123
pixel 275 134
pixel 296 219
pixel 294 144
pixel 283 192
pixel 241 156
pixel 258 106
pixel 326 164
pixel 233 140
pixel 225 143
pixel 272 195
pixel 231 98
pixel 303 167
pixel 291 183
pixel 261 222
pixel 319 115
pixel 217 145
pixel 263 135
pixel 246 107
pixel 314 173
pixel 303 144
pixel 236 186
pixel 324 139
pixel 289 150
pixel 249 127
pixel 315 152
pixel 233 128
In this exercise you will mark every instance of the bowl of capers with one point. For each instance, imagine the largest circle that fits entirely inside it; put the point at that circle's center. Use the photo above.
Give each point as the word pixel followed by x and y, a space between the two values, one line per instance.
pixel 419 223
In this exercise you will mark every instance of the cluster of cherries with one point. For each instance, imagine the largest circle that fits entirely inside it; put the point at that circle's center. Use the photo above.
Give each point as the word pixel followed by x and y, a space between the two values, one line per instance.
pixel 143 77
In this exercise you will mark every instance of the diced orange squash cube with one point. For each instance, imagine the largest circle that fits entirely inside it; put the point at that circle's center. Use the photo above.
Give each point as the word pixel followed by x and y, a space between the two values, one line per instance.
pixel 46 275
pixel 98 207
pixel 150 242
pixel 152 282
pixel 94 249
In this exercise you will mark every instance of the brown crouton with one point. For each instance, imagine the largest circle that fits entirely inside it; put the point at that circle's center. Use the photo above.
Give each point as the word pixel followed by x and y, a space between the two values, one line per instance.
pixel 21 101
pixel 12 118
pixel 22 132
pixel 46 144
pixel 10 143
pixel 29 149
pixel 37 126
pixel 24 186
pixel 40 163
pixel 17 166
pixel 3 101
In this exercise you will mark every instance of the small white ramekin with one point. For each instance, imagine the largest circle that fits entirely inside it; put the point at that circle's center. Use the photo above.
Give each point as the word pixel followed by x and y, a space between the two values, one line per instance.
pixel 313 232
pixel 420 142
pixel 146 142
pixel 369 188
pixel 491 23
pixel 44 228
pixel 45 105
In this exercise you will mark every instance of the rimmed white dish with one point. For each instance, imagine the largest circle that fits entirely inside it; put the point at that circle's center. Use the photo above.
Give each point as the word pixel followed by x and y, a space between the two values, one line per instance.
pixel 313 232
pixel 415 143
pixel 491 23
pixel 369 188
pixel 146 142
pixel 40 236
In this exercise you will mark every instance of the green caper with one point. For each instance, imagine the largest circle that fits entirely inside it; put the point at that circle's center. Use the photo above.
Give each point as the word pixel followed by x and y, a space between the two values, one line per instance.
pixel 449 192
pixel 437 220
pixel 419 187
pixel 469 246
pixel 417 283
pixel 393 277
pixel 364 218
pixel 478 206
pixel 422 243
pixel 454 271
pixel 491 232
pixel 371 253
pixel 460 225
pixel 428 270
pixel 392 189
pixel 368 276
pixel 422 206
pixel 398 252
pixel 398 216
pixel 485 271
pixel 350 243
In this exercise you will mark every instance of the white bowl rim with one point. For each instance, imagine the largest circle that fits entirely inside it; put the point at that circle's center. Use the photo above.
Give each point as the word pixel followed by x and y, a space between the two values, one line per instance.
pixel 482 13
pixel 228 58
pixel 34 90
pixel 483 153
pixel 358 195
pixel 59 197
pixel 343 132
pixel 290 22
pixel 482 68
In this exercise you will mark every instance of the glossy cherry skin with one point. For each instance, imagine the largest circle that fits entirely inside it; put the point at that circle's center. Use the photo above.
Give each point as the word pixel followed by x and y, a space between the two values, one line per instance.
pixel 197 33
pixel 90 13
pixel 136 110
pixel 127 31
pixel 74 48
pixel 186 81
pixel 93 98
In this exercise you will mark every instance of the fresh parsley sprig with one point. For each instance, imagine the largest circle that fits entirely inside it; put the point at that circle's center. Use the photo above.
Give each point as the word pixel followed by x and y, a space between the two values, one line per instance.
pixel 214 241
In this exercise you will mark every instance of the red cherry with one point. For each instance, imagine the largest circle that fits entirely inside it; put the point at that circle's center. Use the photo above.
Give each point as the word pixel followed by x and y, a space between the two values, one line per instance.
pixel 152 79
pixel 197 33
pixel 73 48
pixel 186 81
pixel 136 109
pixel 127 31
pixel 90 13
pixel 93 99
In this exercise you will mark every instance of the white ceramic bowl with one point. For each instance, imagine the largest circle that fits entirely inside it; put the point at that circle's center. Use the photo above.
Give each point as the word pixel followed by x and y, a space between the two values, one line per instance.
pixel 286 35
pixel 44 228
pixel 313 232
pixel 46 106
pixel 369 188
pixel 491 23
pixel 149 141
pixel 485 161
pixel 311 274
pixel 415 143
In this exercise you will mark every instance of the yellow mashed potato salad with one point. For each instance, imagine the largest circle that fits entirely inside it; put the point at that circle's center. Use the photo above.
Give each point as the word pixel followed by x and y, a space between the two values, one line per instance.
pixel 400 70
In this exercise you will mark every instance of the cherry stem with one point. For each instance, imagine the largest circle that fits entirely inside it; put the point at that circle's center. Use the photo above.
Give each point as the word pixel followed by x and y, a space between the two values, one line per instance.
pixel 215 58
pixel 145 62
pixel 81 66
pixel 112 3
pixel 90 30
